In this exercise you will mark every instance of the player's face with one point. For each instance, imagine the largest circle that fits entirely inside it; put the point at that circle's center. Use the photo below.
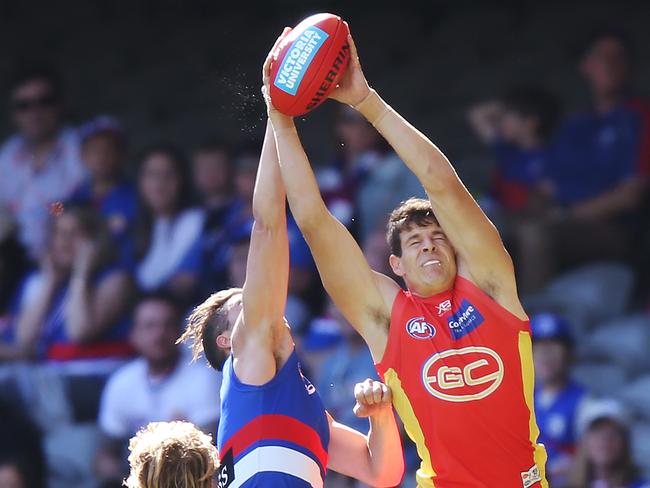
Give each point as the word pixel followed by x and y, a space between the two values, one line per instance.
pixel 428 261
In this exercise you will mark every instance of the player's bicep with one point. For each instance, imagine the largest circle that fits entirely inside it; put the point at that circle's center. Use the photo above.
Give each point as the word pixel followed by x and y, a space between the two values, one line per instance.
pixel 267 276
pixel 346 275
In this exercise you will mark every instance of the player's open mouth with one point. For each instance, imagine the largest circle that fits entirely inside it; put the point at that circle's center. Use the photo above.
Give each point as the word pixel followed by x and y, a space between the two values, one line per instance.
pixel 431 262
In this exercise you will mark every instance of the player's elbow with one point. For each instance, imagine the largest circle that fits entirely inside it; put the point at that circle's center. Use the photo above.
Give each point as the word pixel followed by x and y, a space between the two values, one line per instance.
pixel 390 475
pixel 309 215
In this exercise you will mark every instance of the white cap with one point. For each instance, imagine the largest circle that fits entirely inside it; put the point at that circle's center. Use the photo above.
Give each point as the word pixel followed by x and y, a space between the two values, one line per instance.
pixel 603 408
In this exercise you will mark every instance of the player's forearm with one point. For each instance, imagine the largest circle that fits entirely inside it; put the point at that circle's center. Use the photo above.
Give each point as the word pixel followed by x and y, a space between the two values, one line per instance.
pixel 303 194
pixel 269 208
pixel 421 156
pixel 386 457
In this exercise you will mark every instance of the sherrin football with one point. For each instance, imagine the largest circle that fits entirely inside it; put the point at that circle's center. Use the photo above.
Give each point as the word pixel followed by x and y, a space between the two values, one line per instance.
pixel 311 60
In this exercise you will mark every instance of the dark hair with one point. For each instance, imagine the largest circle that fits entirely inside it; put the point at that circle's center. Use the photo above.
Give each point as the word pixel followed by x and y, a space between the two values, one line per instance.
pixel 610 32
pixel 145 218
pixel 410 213
pixel 34 72
pixel 204 325
pixel 534 101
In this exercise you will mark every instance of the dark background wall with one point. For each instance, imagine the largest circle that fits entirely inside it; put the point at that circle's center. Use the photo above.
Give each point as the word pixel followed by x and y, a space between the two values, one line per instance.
pixel 184 70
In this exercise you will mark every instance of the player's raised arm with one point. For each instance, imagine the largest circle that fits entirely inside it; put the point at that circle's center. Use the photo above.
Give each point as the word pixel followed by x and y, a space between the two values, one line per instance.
pixel 377 458
pixel 363 296
pixel 482 256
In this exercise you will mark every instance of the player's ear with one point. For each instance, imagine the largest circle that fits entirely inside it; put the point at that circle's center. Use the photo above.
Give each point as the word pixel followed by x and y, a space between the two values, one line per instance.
pixel 396 265
pixel 223 341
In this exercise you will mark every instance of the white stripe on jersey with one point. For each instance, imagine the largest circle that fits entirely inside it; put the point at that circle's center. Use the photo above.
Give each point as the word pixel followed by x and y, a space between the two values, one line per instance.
pixel 279 460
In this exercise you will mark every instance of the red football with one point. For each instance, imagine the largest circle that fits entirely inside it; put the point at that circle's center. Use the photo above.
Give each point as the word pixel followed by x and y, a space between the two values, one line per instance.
pixel 311 60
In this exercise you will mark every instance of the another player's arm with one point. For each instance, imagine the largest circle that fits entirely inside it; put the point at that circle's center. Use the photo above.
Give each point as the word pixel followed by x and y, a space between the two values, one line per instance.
pixel 477 242
pixel 267 274
pixel 363 296
pixel 377 458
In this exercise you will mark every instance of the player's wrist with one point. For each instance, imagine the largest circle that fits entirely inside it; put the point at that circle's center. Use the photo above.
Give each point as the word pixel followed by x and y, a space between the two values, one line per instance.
pixel 372 107
pixel 281 122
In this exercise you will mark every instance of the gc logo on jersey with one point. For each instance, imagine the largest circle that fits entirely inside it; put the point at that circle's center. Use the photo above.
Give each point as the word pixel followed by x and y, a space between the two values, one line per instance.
pixel 418 328
pixel 463 375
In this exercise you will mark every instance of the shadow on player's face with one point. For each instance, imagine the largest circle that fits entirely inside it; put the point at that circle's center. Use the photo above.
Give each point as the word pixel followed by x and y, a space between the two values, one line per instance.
pixel 428 260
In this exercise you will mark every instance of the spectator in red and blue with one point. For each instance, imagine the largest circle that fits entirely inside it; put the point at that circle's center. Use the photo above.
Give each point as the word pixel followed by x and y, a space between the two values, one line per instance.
pixel 558 399
pixel 605 459
pixel 597 172
pixel 104 152
pixel 40 164
pixel 72 311
pixel 168 228
pixel 518 128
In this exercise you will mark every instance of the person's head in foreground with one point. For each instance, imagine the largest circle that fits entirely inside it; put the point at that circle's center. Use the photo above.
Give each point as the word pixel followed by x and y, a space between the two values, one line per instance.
pixel 171 455
pixel 210 326
pixel 421 253
pixel 605 455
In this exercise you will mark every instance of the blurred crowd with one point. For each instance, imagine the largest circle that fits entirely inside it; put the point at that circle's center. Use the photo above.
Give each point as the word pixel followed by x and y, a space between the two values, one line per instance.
pixel 101 259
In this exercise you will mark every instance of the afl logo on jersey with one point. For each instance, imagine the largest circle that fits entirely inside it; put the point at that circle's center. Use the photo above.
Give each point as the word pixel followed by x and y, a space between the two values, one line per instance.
pixel 463 375
pixel 418 328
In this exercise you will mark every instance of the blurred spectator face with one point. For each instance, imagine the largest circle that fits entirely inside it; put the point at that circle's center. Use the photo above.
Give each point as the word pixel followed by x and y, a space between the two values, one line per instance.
pixel 355 132
pixel 36 110
pixel 605 444
pixel 103 155
pixel 552 360
pixel 67 237
pixel 245 177
pixel 606 67
pixel 10 477
pixel 516 127
pixel 237 264
pixel 155 329
pixel 160 183
pixel 212 172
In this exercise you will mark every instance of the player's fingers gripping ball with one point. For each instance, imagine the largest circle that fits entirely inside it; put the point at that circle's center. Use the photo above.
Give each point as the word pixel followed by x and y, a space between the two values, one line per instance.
pixel 370 396
pixel 309 64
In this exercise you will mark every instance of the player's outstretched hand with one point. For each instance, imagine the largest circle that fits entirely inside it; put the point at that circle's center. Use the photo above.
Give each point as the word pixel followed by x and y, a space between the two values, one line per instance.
pixel 266 74
pixel 372 397
pixel 353 87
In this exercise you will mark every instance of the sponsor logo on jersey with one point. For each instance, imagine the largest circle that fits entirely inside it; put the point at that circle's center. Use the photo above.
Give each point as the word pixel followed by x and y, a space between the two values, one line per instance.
pixel 297 59
pixel 418 328
pixel 530 477
pixel 463 375
pixel 444 307
pixel 464 320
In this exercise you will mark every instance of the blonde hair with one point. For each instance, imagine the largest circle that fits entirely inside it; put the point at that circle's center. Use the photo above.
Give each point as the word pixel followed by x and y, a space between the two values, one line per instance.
pixel 204 325
pixel 171 455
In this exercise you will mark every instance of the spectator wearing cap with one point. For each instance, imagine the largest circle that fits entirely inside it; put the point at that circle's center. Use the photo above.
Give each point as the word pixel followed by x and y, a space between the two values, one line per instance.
pixel 597 172
pixel 605 457
pixel 168 228
pixel 41 163
pixel 107 190
pixel 558 399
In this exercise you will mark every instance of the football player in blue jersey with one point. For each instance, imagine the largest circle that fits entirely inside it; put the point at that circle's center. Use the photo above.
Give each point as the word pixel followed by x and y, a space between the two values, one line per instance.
pixel 274 430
